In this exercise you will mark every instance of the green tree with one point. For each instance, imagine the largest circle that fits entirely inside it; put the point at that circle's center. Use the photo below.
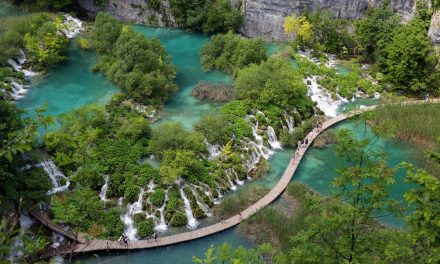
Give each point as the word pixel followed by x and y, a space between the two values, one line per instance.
pixel 346 229
pixel 374 31
pixel 410 59
pixel 140 66
pixel 273 82
pixel 106 30
pixel 185 164
pixel 173 136
pixel 214 127
pixel 231 52
pixel 423 221
pixel 331 32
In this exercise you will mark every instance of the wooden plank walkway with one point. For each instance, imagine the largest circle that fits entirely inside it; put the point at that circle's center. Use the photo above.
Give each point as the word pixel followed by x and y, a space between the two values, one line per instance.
pixel 106 245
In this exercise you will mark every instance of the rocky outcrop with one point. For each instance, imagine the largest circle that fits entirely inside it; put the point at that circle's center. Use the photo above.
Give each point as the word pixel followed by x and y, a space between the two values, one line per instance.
pixel 265 17
pixel 434 29
pixel 262 18
pixel 134 11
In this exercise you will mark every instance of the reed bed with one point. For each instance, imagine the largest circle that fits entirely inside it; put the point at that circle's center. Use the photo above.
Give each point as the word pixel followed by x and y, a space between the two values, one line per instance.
pixel 273 225
pixel 239 201
pixel 418 124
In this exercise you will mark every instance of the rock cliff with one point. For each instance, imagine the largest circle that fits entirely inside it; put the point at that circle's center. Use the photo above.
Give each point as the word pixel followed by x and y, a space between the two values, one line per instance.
pixel 262 18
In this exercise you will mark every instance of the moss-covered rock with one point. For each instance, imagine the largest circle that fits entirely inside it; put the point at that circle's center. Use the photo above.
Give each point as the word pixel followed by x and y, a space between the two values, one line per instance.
pixel 178 219
pixel 145 228
pixel 198 213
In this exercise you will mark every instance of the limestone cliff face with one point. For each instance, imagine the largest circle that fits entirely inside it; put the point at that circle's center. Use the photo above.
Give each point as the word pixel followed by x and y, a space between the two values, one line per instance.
pixel 134 11
pixel 434 29
pixel 265 17
pixel 262 18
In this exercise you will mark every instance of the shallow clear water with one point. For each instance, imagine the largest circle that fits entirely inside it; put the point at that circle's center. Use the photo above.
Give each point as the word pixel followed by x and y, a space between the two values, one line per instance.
pixel 184 49
pixel 69 85
pixel 9 10
pixel 317 169
pixel 175 254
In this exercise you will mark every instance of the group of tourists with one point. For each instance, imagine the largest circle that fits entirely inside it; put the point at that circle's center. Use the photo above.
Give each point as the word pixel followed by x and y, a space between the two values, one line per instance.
pixel 123 240
pixel 303 144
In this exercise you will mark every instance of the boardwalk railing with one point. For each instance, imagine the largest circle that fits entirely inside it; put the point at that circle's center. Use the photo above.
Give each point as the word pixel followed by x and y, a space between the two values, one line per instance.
pixel 102 245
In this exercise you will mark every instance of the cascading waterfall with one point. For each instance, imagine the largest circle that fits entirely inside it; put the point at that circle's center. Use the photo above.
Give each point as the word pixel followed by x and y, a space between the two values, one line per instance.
pixel 104 188
pixel 233 187
pixel 150 187
pixel 214 150
pixel 272 138
pixel 18 90
pixel 71 26
pixel 323 98
pixel 136 207
pixel 55 176
pixel 202 206
pixel 192 222
pixel 290 122
pixel 162 225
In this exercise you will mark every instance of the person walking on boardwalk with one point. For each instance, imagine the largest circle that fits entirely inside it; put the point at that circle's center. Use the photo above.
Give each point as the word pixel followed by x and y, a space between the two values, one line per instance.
pixel 426 96
pixel 155 236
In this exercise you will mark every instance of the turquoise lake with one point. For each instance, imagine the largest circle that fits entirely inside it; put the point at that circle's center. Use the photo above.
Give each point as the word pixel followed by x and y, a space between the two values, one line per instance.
pixel 71 85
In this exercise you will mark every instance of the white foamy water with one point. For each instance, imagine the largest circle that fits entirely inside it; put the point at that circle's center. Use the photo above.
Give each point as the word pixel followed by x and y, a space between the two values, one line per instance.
pixel 55 176
pixel 202 206
pixel 72 26
pixel 132 209
pixel 162 226
pixel 290 122
pixel 26 221
pixel 272 138
pixel 192 222
pixel 322 97
pixel 104 188
pixel 213 150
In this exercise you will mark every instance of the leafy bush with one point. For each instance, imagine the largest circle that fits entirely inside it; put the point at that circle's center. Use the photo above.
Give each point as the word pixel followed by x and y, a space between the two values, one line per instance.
pixel 207 16
pixel 231 52
pixel 179 219
pixel 140 66
pixel 145 228
pixel 173 136
pixel 38 34
pixel 273 83
pixel 158 197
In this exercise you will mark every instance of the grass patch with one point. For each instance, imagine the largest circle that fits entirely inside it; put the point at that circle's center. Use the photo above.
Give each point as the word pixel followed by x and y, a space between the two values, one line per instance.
pixel 242 199
pixel 274 225
pixel 418 124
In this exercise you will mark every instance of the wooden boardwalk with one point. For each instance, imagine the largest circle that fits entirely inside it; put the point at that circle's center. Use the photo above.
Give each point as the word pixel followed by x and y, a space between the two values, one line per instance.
pixel 106 245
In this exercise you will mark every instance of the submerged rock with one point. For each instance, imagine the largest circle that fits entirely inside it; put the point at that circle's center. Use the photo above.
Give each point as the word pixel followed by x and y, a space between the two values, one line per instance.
pixel 214 92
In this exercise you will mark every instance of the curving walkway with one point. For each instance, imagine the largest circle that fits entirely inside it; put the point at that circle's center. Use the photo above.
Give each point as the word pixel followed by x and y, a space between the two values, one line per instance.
pixel 103 245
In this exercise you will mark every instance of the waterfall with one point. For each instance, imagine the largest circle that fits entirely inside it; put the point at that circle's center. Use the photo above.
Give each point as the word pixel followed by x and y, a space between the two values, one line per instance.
pixel 151 186
pixel 214 150
pixel 22 57
pixel 272 138
pixel 290 123
pixel 202 206
pixel 162 226
pixel 237 180
pixel 322 97
pixel 233 187
pixel 192 222
pixel 18 90
pixel 27 73
pixel 377 95
pixel 71 26
pixel 57 239
pixel 136 207
pixel 104 189
pixel 55 176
